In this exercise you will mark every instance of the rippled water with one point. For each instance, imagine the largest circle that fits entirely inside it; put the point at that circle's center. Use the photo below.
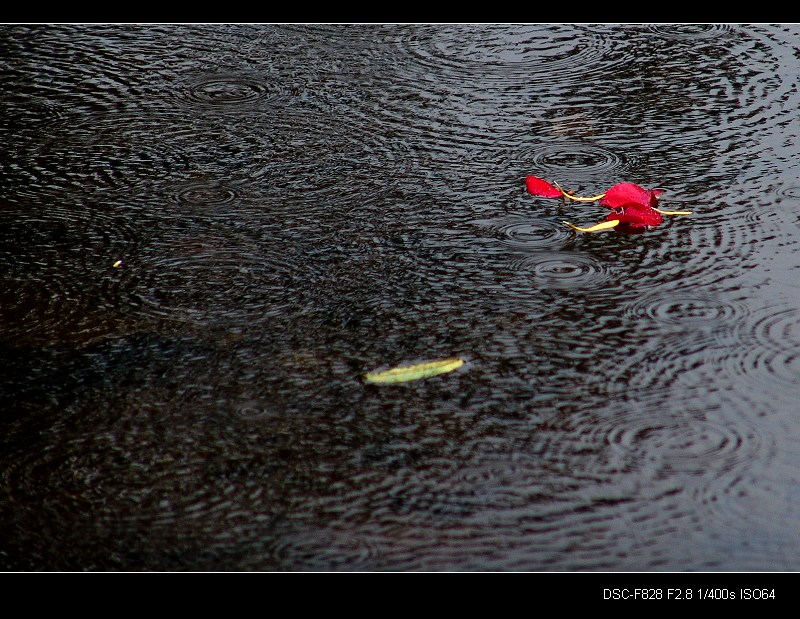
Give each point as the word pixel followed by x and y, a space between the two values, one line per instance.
pixel 208 233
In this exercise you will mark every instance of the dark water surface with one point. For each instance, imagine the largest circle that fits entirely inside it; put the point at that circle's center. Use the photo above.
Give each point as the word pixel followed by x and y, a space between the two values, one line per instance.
pixel 295 205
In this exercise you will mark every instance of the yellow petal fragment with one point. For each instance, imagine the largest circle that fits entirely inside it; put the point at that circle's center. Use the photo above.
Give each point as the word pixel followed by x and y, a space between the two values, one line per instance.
pixel 578 198
pixel 414 372
pixel 673 212
pixel 117 264
pixel 583 198
pixel 603 225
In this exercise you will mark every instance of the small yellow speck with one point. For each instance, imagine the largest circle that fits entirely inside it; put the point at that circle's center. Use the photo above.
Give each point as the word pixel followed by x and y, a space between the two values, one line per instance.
pixel 117 264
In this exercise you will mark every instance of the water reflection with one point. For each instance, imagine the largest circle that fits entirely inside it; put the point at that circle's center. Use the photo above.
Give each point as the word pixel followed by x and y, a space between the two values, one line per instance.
pixel 209 232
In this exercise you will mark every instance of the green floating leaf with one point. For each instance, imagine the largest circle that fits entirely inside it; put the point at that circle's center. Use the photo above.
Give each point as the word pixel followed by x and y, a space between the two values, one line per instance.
pixel 414 372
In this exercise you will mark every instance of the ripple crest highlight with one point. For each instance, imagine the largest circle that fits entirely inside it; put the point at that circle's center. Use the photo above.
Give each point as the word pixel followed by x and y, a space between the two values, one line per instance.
pixel 563 269
pixel 227 91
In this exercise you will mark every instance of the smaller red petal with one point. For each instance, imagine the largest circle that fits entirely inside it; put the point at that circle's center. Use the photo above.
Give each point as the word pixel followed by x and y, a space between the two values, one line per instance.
pixel 538 187
pixel 637 216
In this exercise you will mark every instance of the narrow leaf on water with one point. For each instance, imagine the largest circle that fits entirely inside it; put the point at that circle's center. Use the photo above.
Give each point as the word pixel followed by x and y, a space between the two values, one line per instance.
pixel 414 372
pixel 604 225
pixel 673 212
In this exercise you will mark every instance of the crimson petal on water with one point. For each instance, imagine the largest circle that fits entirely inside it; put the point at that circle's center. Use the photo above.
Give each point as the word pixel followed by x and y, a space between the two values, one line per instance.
pixel 626 193
pixel 539 187
pixel 636 215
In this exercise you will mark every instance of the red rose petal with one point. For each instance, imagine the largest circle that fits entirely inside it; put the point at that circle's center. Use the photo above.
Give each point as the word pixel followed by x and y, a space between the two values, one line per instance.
pixel 635 215
pixel 538 187
pixel 627 193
